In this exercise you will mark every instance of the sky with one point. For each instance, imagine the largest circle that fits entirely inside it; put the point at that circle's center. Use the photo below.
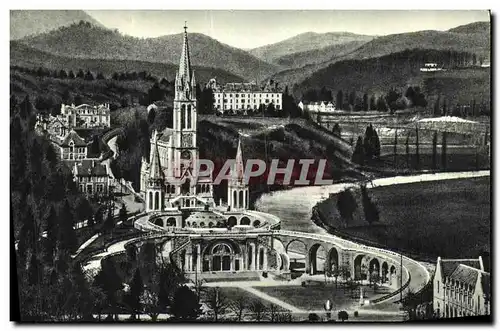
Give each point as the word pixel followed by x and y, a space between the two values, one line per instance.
pixel 254 28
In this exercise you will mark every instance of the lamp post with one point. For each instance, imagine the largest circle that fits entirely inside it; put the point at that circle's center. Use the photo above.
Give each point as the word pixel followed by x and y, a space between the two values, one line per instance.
pixel 328 309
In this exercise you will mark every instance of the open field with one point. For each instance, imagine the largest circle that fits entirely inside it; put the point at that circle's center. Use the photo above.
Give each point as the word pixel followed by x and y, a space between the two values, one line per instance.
pixel 314 297
pixel 451 218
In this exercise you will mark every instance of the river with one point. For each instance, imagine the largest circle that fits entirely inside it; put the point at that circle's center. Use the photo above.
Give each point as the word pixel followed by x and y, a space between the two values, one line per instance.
pixel 294 206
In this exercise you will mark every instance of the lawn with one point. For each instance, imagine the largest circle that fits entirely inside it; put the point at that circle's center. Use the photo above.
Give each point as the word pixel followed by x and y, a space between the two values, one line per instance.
pixel 314 297
pixel 448 218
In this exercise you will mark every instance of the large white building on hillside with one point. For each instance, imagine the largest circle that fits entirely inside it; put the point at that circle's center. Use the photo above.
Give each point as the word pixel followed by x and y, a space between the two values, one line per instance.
pixel 461 287
pixel 233 97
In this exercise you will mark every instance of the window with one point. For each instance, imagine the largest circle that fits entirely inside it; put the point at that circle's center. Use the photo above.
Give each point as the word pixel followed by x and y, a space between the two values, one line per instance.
pixel 267 100
pixel 438 286
pixel 242 100
pixel 237 94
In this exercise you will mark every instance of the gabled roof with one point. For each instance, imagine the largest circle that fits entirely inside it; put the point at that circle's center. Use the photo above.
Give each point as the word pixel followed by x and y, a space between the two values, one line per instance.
pixel 73 136
pixel 90 168
pixel 465 274
pixel 164 136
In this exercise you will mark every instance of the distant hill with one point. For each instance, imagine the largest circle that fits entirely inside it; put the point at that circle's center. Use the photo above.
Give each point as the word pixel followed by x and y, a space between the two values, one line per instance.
pixel 305 42
pixel 478 42
pixel 32 22
pixel 476 27
pixel 88 41
pixel 398 70
pixel 319 55
pixel 24 56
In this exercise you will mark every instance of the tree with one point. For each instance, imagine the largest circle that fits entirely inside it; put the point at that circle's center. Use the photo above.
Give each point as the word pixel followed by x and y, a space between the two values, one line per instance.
pixel 80 74
pixel 434 150
pixel 417 152
pixel 343 315
pixel 443 151
pixel 109 224
pixel 217 302
pixel 63 74
pixel 340 99
pixel 376 144
pixel 238 306
pixel 66 235
pixel 185 305
pixel 336 130
pixel 407 145
pixel 89 75
pixel 437 109
pixel 346 205
pixel 366 103
pixel 258 310
pixel 100 76
pixel 151 116
pixel 373 103
pixel 369 207
pixel 71 74
pixel 368 143
pixel 123 214
pixel 51 228
pixel 358 156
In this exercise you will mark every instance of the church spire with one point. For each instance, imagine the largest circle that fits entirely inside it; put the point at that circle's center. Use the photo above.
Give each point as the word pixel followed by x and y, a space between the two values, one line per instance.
pixel 155 171
pixel 238 165
pixel 185 62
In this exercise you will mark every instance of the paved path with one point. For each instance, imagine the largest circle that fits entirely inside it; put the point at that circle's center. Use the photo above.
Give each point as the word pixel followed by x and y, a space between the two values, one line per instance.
pixel 94 264
pixel 271 299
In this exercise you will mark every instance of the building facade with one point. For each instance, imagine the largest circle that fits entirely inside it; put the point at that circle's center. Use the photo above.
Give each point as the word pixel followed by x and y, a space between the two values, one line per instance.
pixel 245 97
pixel 461 287
pixel 92 177
pixel 71 146
pixel 86 116
pixel 317 107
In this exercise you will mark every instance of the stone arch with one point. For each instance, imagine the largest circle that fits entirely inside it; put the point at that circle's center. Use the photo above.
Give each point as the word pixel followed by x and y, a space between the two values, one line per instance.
pixel 194 225
pixel 158 221
pixel 171 221
pixel 317 259
pixel 373 269
pixel 261 258
pixel 188 224
pixel 232 221
pixel 392 275
pixel 245 221
pixel 359 273
pixel 256 223
pixel 296 251
pixel 210 224
pixel 202 224
pixel 227 252
pixel 333 260
pixel 385 271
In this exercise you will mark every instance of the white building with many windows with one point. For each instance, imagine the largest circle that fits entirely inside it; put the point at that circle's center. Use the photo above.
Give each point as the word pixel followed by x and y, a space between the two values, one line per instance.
pixel 86 116
pixel 245 97
pixel 317 107
pixel 92 177
pixel 461 287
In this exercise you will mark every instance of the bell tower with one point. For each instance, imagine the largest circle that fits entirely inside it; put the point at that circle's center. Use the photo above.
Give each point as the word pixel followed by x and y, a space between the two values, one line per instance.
pixel 237 188
pixel 185 118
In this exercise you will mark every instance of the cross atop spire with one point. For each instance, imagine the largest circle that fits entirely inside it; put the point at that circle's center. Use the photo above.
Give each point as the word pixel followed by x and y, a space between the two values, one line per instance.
pixel 185 73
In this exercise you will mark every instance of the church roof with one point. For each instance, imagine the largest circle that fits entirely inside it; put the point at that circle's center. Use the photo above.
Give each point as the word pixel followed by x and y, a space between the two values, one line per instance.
pixel 448 266
pixel 238 171
pixel 465 274
pixel 164 136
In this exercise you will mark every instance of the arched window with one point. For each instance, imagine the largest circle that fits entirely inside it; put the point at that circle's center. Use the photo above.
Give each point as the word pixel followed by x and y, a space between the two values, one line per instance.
pixel 157 200
pixel 221 257
pixel 150 200
pixel 171 221
pixel 183 116
pixel 240 203
pixel 256 223
pixel 202 224
pixel 188 125
pixel 235 200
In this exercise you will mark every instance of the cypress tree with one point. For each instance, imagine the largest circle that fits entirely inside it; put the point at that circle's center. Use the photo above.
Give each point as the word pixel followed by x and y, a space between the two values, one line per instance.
pixel 443 151
pixel 434 150
pixel 358 156
pixel 407 145
pixel 417 152
pixel 376 144
pixel 136 290
pixel 66 235
pixel 396 147
pixel 368 143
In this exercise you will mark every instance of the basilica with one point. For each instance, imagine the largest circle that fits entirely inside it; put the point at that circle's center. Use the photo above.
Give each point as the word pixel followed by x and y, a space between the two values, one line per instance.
pixel 169 179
